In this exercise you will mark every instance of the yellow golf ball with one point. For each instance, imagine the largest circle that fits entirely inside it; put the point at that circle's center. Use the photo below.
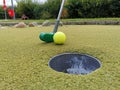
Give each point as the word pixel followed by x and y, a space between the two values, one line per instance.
pixel 59 38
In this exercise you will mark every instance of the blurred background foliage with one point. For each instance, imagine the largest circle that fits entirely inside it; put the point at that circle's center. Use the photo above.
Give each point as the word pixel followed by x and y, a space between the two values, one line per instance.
pixel 72 9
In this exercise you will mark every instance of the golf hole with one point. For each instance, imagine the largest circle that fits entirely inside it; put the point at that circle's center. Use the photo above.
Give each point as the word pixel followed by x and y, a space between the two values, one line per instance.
pixel 73 63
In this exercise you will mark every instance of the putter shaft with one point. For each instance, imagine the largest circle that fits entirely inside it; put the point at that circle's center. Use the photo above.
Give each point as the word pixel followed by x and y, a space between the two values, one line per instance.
pixel 58 18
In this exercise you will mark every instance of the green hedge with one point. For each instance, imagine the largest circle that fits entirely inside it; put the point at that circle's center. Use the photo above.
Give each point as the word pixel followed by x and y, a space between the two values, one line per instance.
pixel 72 9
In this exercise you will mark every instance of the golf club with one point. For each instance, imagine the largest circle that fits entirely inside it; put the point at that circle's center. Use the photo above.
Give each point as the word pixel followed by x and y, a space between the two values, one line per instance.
pixel 48 37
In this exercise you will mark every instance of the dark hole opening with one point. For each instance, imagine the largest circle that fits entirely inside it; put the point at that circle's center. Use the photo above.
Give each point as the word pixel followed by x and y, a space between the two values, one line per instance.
pixel 73 63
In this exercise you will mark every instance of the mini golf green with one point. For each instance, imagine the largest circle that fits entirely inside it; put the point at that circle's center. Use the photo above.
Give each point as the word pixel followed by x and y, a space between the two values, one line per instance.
pixel 24 58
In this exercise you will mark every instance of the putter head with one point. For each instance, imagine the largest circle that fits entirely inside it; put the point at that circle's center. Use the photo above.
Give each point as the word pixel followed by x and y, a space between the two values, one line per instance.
pixel 46 37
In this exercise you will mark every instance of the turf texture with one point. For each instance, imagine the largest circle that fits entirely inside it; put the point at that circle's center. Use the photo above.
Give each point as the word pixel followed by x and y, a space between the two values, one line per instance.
pixel 24 58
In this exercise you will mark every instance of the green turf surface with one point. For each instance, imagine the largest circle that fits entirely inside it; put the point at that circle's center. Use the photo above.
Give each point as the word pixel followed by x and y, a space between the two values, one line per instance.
pixel 63 20
pixel 24 58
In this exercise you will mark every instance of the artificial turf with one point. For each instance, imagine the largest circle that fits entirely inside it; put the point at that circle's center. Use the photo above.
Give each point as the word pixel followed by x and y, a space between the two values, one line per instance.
pixel 24 58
